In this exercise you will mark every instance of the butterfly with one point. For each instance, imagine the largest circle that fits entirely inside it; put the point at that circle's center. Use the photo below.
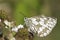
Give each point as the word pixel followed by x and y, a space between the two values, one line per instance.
pixel 41 25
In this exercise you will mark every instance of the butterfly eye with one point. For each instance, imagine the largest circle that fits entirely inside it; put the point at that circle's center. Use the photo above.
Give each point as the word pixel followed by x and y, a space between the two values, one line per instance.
pixel 43 27
pixel 1 33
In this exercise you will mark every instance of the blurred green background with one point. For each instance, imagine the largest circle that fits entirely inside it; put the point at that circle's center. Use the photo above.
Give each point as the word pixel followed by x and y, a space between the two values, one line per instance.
pixel 34 8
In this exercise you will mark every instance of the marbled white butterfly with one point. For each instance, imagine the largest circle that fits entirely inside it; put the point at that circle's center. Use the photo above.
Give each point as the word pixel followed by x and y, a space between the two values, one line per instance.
pixel 41 25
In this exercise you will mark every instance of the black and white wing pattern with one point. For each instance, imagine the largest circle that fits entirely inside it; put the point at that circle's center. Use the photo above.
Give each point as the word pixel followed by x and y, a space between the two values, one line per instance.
pixel 41 25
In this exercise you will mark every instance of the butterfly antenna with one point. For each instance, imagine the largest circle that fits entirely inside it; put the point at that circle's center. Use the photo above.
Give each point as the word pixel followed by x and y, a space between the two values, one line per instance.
pixel 23 14
pixel 24 17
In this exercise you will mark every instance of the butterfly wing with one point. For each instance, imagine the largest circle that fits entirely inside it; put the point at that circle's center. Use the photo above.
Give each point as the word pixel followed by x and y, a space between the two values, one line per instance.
pixel 41 25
